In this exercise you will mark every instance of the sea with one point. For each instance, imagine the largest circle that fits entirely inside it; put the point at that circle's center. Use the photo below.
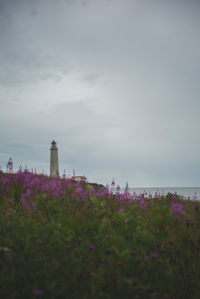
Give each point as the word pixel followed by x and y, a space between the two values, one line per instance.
pixel 192 193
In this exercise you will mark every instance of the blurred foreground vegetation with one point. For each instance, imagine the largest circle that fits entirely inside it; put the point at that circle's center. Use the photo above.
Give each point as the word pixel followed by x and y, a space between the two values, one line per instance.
pixel 63 239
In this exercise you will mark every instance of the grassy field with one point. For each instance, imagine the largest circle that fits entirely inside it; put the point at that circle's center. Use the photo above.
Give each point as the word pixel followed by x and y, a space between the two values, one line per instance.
pixel 63 239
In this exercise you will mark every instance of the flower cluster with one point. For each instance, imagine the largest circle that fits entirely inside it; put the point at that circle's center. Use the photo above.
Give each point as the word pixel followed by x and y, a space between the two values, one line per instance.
pixel 177 208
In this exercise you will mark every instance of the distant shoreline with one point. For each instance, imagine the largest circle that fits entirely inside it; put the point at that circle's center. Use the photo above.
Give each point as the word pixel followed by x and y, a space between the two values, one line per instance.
pixel 191 192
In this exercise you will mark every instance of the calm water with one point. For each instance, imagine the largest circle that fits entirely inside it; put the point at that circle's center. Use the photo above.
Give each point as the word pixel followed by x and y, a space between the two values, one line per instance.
pixel 192 192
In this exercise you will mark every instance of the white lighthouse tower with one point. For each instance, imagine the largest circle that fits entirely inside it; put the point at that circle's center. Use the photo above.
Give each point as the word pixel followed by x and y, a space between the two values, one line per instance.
pixel 54 170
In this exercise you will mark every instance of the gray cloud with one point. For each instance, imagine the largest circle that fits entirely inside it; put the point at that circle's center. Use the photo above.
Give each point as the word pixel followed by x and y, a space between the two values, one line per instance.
pixel 114 82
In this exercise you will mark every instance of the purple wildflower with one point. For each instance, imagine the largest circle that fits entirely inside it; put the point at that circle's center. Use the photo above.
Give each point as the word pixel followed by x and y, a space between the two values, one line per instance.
pixel 117 188
pixel 38 292
pixel 143 204
pixel 79 190
pixel 108 251
pixel 9 200
pixel 9 212
pixel 177 208
pixel 154 256
pixel 113 182
pixel 91 247
pixel 174 196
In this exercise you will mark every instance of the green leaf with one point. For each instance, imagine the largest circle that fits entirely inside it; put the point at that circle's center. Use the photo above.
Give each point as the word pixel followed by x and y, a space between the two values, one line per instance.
pixel 161 236
pixel 119 242
pixel 124 253
pixel 116 250
pixel 102 295
pixel 146 238
pixel 95 201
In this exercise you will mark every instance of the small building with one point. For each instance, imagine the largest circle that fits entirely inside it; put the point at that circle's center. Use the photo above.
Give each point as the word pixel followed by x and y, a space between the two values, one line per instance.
pixel 79 178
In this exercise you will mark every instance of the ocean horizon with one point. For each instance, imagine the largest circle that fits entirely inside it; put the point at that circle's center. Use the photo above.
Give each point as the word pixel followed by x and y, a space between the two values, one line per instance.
pixel 187 192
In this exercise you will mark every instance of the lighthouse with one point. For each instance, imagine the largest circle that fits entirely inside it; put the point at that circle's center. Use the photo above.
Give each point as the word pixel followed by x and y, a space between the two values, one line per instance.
pixel 54 170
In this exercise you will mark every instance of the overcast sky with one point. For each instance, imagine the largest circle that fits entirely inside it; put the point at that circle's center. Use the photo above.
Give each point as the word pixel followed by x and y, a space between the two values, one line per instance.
pixel 115 82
